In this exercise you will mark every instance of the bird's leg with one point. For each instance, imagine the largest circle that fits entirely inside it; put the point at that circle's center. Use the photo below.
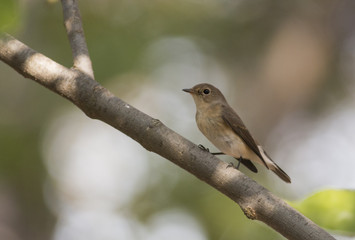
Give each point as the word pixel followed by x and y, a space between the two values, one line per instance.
pixel 239 160
pixel 208 150
pixel 218 153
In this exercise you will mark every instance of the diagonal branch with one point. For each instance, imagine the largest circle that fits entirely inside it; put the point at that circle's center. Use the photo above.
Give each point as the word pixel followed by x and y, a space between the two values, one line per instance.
pixel 99 103
pixel 75 32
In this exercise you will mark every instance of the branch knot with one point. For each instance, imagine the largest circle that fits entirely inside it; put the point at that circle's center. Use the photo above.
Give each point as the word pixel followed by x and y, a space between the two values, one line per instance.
pixel 249 212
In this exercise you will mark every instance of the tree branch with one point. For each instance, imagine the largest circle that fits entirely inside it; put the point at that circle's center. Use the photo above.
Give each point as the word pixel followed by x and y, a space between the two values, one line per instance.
pixel 75 32
pixel 99 103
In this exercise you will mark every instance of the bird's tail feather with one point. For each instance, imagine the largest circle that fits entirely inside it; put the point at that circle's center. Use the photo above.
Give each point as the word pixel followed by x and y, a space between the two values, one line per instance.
pixel 281 173
pixel 274 167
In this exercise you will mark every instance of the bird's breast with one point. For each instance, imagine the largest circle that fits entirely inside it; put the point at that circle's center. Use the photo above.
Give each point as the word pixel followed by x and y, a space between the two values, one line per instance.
pixel 218 132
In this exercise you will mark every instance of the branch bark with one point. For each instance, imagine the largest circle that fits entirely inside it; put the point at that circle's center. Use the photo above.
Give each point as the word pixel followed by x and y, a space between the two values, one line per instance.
pixel 78 86
pixel 75 32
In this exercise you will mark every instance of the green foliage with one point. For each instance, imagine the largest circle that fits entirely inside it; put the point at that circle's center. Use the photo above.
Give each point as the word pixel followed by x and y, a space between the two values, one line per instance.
pixel 331 209
pixel 9 15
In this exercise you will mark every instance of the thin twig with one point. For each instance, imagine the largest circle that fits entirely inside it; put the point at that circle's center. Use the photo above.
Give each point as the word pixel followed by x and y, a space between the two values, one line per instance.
pixel 99 103
pixel 75 32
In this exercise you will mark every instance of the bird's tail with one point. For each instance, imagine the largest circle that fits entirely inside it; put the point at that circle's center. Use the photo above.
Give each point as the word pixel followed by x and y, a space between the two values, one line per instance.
pixel 274 167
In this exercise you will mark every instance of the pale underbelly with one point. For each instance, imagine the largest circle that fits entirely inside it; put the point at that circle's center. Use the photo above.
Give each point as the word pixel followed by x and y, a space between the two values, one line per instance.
pixel 231 144
pixel 225 139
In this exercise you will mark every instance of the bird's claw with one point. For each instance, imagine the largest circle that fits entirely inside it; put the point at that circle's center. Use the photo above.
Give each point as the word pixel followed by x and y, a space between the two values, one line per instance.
pixel 203 148
pixel 230 165
pixel 233 166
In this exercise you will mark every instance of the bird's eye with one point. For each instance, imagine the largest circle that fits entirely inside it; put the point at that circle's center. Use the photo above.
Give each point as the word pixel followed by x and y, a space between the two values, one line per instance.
pixel 206 91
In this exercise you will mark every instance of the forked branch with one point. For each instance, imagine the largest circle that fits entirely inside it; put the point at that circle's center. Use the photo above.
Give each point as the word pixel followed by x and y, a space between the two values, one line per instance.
pixel 75 32
pixel 78 86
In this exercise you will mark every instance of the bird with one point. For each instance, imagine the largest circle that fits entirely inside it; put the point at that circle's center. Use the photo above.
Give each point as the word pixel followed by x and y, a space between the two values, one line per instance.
pixel 223 127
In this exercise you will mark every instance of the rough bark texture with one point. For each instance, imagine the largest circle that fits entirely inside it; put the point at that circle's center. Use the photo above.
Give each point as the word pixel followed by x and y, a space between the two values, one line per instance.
pixel 78 86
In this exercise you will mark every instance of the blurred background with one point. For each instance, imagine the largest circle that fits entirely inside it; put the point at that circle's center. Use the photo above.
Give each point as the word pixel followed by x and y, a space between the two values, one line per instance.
pixel 287 67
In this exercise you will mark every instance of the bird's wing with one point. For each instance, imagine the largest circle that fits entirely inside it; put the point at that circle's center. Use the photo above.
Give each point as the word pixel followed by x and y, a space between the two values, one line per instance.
pixel 233 120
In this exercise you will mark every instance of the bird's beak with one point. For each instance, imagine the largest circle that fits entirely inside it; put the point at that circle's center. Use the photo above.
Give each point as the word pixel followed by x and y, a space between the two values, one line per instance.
pixel 188 90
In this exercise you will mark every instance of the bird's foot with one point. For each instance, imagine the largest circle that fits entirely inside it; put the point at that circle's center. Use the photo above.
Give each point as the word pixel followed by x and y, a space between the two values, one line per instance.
pixel 208 150
pixel 203 148
pixel 230 165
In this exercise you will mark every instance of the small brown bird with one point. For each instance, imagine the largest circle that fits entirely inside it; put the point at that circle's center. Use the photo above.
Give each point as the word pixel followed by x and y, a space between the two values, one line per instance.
pixel 224 128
